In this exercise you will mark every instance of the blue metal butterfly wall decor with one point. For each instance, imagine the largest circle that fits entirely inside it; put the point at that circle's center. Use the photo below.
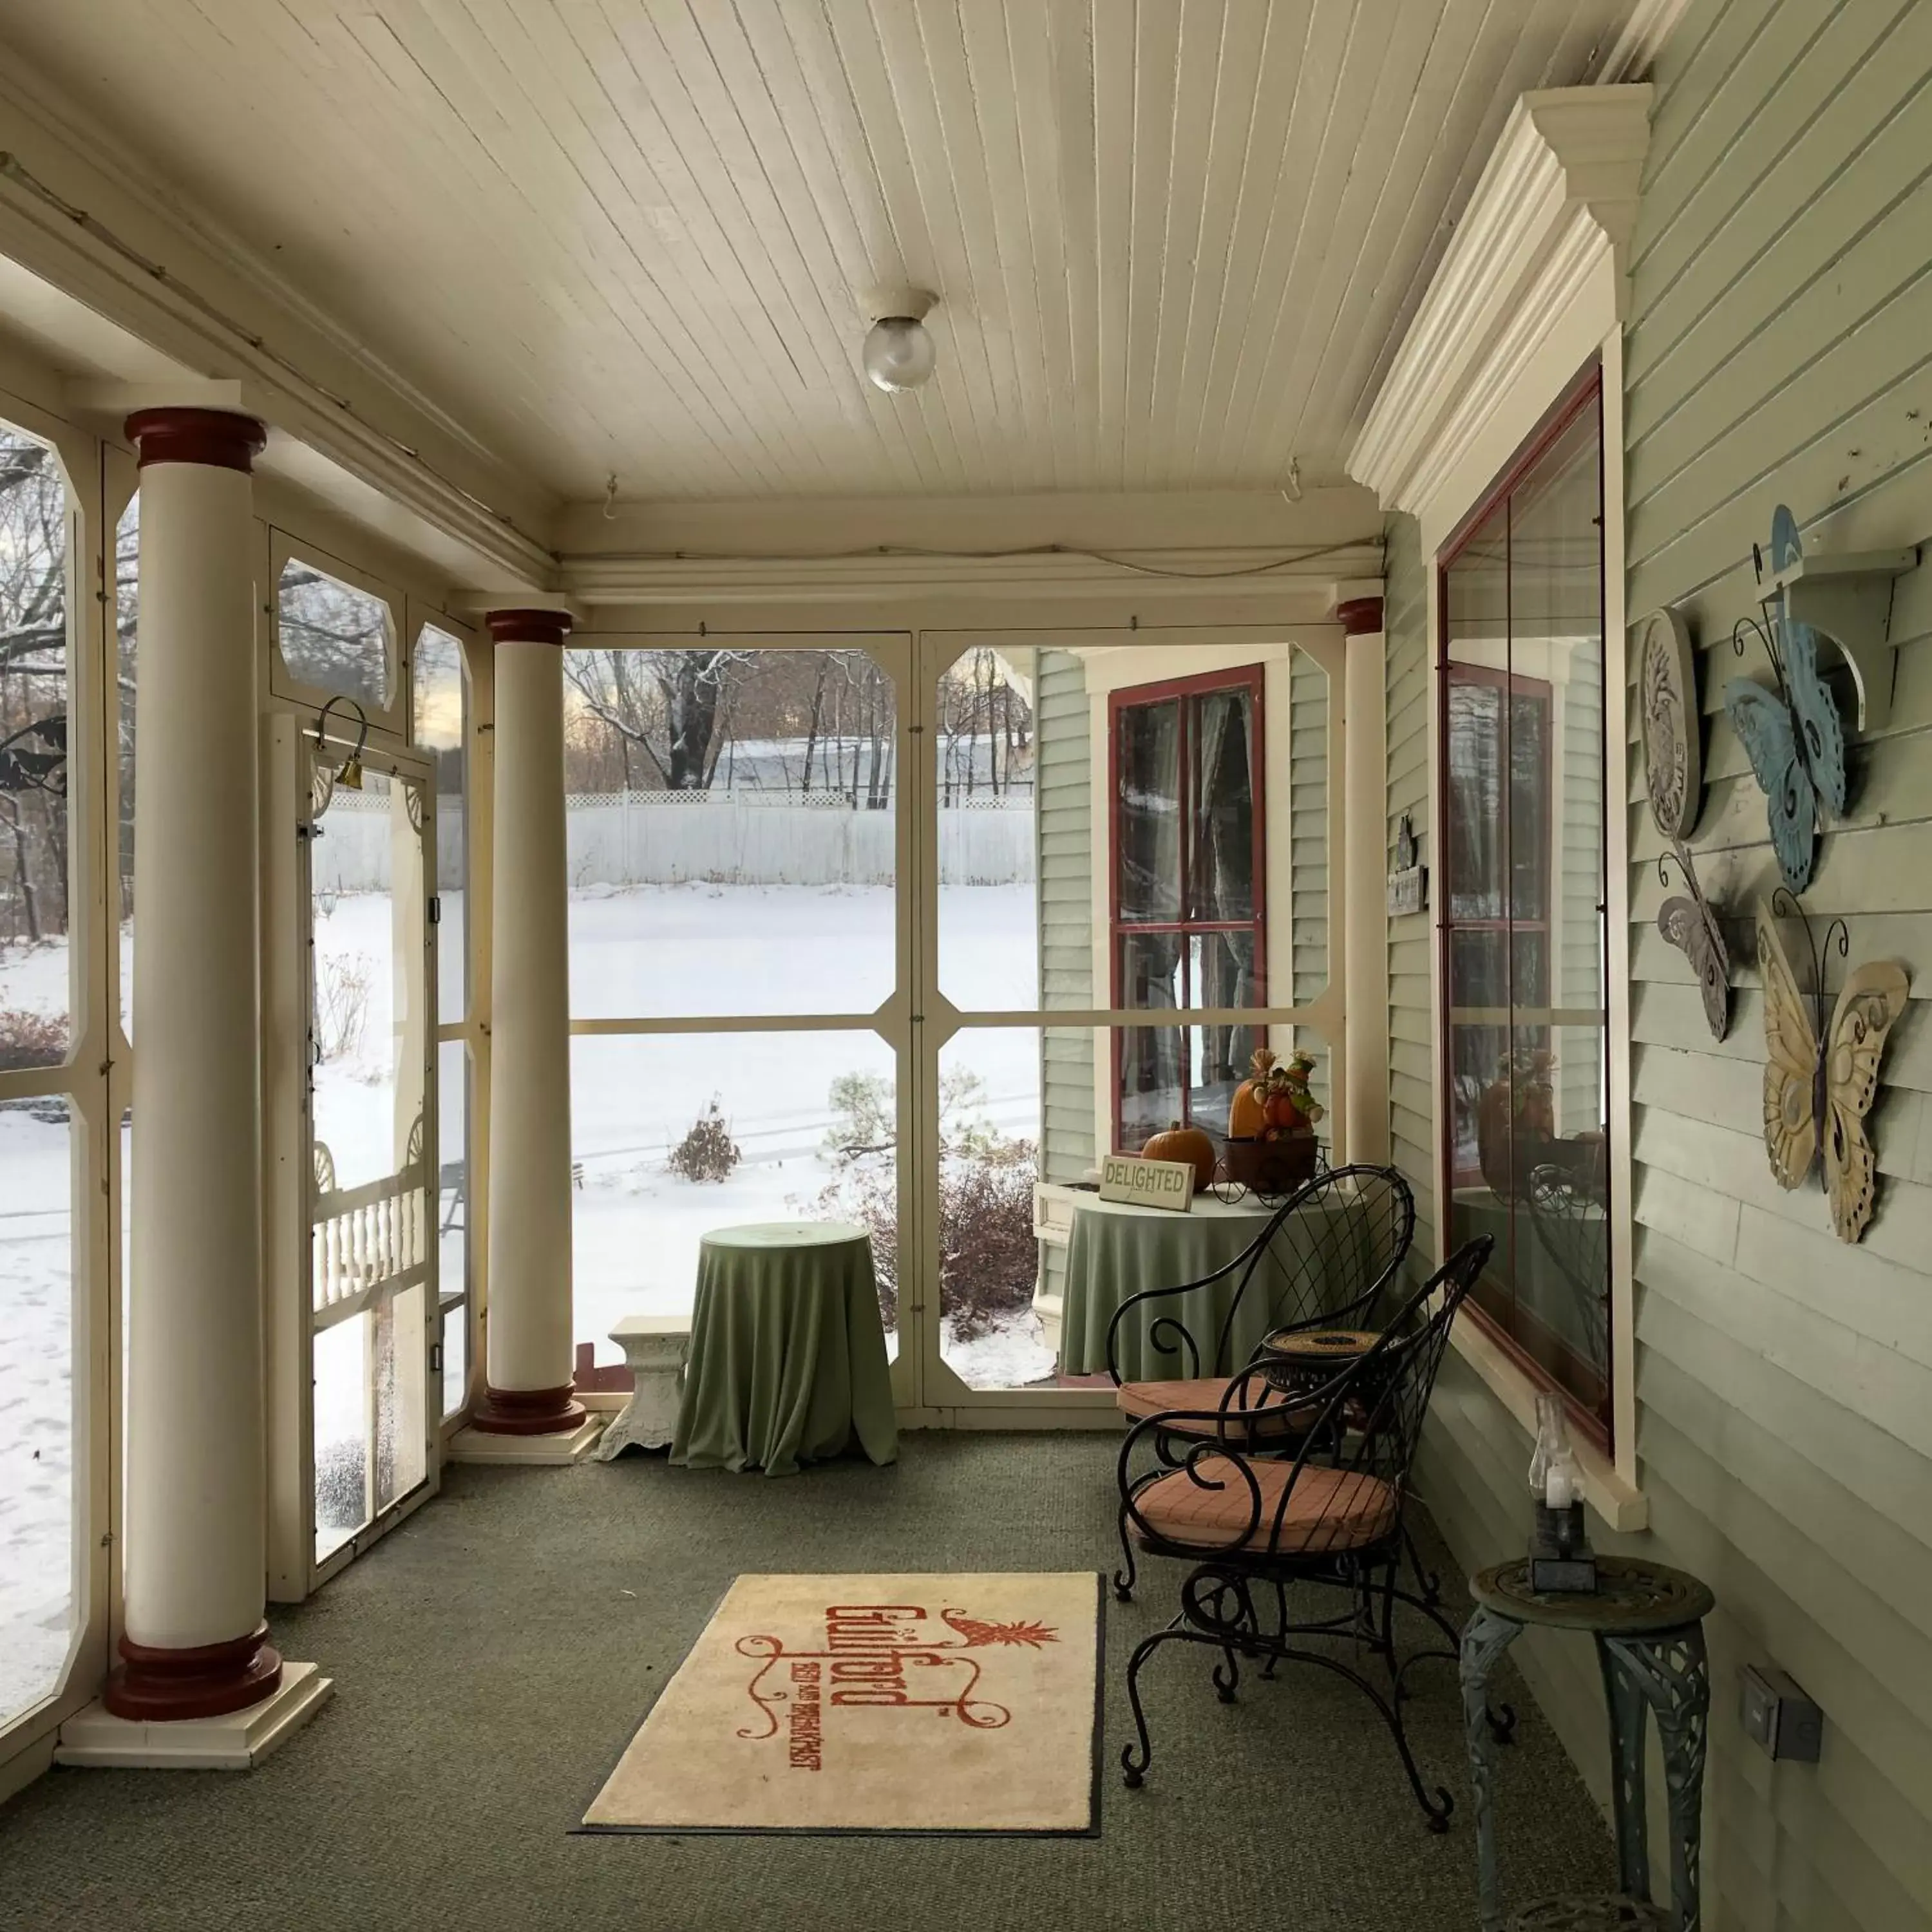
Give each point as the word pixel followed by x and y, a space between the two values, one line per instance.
pixel 1792 733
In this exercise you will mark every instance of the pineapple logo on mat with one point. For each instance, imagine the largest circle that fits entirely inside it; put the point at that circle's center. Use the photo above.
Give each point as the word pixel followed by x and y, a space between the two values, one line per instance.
pixel 875 1656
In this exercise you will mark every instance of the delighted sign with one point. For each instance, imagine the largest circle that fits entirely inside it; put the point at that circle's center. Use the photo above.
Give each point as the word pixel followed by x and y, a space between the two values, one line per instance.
pixel 1147 1183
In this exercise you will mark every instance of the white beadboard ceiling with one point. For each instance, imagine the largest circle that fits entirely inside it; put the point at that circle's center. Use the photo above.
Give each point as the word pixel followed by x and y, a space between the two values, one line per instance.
pixel 1174 241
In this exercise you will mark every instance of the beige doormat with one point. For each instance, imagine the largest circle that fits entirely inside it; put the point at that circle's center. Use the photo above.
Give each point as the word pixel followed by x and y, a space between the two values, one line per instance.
pixel 934 1703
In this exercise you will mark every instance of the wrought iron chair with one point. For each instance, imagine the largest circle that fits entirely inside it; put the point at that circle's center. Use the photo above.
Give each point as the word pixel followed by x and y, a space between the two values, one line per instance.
pixel 1251 1524
pixel 1328 1255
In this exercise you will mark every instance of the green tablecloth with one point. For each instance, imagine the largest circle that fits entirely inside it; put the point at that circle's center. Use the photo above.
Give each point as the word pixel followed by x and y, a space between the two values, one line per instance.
pixel 1115 1250
pixel 787 1359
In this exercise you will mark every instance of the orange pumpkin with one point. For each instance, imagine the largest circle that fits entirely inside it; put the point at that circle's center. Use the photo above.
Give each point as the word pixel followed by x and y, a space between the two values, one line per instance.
pixel 1188 1144
pixel 1247 1111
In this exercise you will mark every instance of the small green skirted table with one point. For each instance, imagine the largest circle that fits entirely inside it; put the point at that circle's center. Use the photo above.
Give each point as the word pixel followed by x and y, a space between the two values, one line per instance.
pixel 787 1361
pixel 1115 1250
pixel 1648 1622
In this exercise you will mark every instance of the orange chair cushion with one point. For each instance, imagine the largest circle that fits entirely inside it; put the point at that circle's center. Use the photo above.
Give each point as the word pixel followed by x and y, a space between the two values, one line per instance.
pixel 1139 1400
pixel 1327 1509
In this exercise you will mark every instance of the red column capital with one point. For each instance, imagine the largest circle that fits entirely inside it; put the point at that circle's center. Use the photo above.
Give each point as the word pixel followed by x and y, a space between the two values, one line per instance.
pixel 529 627
pixel 219 438
pixel 1359 617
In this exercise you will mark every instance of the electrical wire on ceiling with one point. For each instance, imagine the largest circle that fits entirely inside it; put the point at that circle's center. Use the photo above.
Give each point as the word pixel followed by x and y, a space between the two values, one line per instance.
pixel 1308 553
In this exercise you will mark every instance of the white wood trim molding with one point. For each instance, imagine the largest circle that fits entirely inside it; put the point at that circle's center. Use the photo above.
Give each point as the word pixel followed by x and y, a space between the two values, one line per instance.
pixel 1150 574
pixel 77 212
pixel 1559 193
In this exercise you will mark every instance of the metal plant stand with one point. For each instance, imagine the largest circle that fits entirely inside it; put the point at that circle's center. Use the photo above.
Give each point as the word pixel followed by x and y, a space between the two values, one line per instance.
pixel 1648 1622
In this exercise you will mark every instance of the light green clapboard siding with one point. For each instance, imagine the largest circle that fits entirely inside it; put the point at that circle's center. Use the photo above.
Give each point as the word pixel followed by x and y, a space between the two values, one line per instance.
pixel 1776 350
pixel 1064 812
pixel 1410 1020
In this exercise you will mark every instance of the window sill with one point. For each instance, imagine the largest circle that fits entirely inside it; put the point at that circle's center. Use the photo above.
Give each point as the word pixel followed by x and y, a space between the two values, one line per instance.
pixel 1615 1498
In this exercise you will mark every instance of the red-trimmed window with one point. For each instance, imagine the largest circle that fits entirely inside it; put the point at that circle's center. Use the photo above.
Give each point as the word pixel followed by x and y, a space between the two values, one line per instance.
pixel 1523 809
pixel 1187 894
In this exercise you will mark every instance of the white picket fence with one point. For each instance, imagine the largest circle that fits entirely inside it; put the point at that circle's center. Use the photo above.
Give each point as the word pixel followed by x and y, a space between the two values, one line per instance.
pixel 634 839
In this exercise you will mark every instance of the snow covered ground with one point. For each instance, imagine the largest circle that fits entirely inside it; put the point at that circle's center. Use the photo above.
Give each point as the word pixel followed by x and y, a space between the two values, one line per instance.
pixel 645 951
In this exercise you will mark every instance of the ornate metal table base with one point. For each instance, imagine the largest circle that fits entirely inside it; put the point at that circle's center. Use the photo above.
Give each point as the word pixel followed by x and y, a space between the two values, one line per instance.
pixel 1647 1622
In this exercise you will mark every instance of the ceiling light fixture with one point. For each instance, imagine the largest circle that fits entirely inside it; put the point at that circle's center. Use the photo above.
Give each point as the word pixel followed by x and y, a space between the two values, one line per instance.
pixel 898 352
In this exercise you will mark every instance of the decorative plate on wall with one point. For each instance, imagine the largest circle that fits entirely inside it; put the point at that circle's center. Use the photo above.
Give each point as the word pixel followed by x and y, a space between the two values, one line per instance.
pixel 1667 698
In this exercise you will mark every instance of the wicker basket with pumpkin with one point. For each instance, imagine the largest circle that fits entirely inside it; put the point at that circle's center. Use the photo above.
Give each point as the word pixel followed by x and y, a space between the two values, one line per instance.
pixel 1271 1122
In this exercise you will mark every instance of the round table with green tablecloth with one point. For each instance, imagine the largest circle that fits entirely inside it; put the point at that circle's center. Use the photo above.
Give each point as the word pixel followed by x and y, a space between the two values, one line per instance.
pixel 787 1362
pixel 1115 1250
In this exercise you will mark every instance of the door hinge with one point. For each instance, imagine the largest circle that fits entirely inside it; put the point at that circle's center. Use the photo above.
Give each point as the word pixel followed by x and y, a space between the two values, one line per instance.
pixel 435 1358
pixel 435 909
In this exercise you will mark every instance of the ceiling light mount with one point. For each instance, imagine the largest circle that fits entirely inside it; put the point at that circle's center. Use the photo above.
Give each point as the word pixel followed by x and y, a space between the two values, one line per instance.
pixel 899 353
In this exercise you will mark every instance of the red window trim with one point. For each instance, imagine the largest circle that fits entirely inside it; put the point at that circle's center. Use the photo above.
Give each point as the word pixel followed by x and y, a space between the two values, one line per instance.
pixel 1253 679
pixel 1584 392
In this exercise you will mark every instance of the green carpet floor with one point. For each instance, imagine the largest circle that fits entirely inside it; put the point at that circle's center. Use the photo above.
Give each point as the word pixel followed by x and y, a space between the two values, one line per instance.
pixel 492 1656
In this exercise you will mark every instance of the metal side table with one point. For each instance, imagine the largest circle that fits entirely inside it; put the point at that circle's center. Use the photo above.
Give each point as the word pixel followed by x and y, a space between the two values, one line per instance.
pixel 1648 1622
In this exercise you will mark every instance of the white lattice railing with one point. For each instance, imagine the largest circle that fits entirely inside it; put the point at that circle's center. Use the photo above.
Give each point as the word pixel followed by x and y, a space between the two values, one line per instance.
pixel 369 1242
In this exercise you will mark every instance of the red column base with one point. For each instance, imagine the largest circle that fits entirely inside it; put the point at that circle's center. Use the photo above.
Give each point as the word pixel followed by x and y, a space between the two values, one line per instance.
pixel 548 1411
pixel 153 1685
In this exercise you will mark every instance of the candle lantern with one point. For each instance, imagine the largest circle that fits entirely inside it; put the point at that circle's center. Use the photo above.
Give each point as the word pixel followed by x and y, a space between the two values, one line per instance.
pixel 1561 1558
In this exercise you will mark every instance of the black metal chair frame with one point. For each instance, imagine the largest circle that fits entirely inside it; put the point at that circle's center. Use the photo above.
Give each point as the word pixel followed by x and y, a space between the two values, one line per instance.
pixel 1370 1418
pixel 1330 1255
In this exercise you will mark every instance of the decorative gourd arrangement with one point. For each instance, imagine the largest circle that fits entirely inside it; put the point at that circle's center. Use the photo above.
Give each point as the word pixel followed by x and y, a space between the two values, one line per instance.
pixel 1188 1144
pixel 1271 1147
pixel 1274 1100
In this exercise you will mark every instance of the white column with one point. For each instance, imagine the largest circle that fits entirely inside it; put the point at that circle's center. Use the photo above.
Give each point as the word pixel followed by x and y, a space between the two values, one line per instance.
pixel 1365 870
pixel 528 1356
pixel 195 1556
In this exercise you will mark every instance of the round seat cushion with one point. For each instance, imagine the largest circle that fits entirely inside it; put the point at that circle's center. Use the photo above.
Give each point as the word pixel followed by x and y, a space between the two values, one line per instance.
pixel 1212 1506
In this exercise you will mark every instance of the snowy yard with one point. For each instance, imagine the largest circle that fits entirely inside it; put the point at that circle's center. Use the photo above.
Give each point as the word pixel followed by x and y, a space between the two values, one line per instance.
pixel 646 951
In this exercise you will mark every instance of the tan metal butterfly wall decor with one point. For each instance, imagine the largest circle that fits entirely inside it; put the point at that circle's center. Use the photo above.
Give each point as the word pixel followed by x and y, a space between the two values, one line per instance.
pixel 1819 1086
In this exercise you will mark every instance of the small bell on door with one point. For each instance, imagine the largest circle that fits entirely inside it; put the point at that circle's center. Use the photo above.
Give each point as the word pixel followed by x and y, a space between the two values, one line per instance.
pixel 350 778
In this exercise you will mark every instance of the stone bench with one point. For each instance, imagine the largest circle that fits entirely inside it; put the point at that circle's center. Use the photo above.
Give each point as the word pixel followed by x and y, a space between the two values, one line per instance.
pixel 654 1347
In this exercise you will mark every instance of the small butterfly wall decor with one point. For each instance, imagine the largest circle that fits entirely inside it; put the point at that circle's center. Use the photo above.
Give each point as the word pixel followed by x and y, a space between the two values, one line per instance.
pixel 1820 1084
pixel 1688 922
pixel 1791 733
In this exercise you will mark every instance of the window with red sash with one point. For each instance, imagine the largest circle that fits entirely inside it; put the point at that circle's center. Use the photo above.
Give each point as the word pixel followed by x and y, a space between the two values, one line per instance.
pixel 1188 927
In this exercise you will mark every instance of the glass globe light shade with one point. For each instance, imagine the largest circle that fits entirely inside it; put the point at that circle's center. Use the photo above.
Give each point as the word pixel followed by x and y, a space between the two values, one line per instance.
pixel 899 353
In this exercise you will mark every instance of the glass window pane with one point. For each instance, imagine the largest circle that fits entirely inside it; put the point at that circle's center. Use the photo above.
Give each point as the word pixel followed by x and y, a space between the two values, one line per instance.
pixel 732 825
pixel 1221 875
pixel 1153 1078
pixel 1473 759
pixel 1523 735
pixel 989 914
pixel 39 1596
pixel 1148 768
pixel 370 1028
pixel 36 994
pixel 452 1217
pixel 674 1134
pixel 440 695
pixel 343 1392
pixel 335 637
pixel 989 1091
